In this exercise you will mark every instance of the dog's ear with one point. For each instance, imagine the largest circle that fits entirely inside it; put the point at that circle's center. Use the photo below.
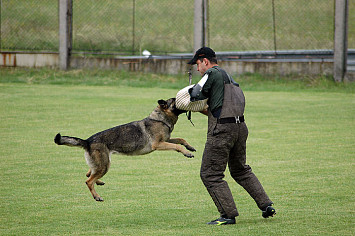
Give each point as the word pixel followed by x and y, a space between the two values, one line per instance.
pixel 163 104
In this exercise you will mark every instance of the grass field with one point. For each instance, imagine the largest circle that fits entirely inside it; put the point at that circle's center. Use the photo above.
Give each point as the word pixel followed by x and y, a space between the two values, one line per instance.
pixel 301 146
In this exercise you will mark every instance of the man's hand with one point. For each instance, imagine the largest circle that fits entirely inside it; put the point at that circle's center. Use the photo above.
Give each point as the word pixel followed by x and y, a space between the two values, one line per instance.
pixel 205 112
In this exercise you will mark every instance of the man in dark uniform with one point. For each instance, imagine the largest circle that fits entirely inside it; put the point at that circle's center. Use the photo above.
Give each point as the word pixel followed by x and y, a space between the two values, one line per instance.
pixel 226 139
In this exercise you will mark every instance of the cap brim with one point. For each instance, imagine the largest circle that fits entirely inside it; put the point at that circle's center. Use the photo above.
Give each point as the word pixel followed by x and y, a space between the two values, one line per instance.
pixel 192 61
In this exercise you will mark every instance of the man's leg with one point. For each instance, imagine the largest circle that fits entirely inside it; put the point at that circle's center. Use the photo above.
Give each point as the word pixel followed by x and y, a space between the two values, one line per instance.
pixel 243 174
pixel 214 163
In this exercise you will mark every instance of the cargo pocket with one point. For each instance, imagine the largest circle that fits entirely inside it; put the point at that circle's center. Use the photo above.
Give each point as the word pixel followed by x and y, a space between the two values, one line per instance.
pixel 220 155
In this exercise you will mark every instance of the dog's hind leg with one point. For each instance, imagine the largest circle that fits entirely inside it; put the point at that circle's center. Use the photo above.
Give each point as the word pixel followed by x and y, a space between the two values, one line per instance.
pixel 98 182
pixel 99 165
pixel 90 183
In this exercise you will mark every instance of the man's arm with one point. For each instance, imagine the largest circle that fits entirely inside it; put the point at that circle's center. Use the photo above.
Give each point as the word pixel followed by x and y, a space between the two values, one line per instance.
pixel 196 91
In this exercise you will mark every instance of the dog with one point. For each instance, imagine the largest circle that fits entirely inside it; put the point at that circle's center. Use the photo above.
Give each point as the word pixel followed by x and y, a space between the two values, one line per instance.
pixel 135 138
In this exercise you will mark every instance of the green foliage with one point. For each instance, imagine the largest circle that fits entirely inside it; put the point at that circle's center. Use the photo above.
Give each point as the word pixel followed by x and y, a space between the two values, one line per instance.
pixel 301 146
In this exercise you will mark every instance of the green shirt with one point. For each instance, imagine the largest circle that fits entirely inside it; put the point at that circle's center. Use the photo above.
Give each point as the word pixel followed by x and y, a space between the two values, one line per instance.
pixel 213 89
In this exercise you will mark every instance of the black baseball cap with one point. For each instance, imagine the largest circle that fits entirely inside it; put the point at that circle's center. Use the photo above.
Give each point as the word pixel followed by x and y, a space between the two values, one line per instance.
pixel 204 52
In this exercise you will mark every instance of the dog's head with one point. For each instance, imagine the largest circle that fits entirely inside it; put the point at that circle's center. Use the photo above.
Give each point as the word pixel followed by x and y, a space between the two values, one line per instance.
pixel 169 105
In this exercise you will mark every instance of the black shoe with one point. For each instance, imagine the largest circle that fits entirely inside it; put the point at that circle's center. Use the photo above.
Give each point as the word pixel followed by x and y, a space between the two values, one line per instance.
pixel 222 221
pixel 269 211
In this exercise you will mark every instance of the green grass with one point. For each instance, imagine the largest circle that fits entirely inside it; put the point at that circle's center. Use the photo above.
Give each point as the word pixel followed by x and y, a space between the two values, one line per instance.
pixel 249 82
pixel 300 145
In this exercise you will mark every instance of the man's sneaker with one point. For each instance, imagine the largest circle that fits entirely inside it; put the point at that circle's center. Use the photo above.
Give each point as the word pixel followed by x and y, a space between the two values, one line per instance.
pixel 222 221
pixel 269 211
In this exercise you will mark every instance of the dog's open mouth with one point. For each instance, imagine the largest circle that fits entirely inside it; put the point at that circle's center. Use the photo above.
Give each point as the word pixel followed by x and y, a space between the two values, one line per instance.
pixel 177 111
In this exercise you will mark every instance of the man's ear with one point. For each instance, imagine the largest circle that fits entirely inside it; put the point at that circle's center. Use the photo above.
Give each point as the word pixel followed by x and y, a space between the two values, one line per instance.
pixel 163 104
pixel 206 61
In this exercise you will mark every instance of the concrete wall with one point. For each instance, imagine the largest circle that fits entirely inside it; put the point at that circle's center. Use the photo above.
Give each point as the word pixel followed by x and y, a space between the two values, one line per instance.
pixel 29 60
pixel 172 66
pixel 163 66
pixel 285 67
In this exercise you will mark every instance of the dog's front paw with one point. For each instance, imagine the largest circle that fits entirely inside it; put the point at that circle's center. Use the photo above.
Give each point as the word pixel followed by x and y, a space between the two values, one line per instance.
pixel 188 155
pixel 190 148
pixel 99 199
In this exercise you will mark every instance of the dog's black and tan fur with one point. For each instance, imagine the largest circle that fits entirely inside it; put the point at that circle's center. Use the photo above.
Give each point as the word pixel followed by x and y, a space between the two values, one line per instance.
pixel 135 138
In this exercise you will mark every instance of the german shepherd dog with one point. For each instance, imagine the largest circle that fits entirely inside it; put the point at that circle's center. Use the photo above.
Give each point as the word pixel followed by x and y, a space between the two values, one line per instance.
pixel 135 138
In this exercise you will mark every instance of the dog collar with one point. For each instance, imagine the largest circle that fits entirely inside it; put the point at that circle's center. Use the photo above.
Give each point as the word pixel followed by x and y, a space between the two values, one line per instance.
pixel 167 125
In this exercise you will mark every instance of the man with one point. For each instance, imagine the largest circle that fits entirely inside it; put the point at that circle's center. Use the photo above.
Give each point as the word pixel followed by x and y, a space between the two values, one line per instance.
pixel 226 139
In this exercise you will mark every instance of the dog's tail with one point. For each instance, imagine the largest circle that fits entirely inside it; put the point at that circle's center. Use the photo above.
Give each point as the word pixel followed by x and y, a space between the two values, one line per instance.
pixel 71 141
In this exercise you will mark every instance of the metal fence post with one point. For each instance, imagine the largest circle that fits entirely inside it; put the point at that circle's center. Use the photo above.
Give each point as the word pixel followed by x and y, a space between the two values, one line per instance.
pixel 200 24
pixel 133 26
pixel 65 33
pixel 340 39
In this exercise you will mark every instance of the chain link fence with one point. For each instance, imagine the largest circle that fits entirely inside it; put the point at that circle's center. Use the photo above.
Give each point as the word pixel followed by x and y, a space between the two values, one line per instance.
pixel 29 25
pixel 131 26
pixel 271 25
pixel 166 26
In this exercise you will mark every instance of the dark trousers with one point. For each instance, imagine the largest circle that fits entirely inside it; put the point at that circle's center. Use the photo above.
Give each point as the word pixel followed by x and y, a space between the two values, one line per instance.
pixel 226 144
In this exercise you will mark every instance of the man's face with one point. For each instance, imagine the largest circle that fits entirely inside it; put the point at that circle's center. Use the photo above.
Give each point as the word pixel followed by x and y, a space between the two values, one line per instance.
pixel 202 66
